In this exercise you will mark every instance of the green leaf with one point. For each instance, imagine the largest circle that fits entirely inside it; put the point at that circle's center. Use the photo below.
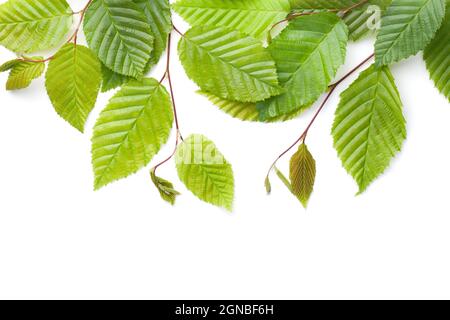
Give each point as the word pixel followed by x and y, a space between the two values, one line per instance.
pixel 158 15
pixel 165 188
pixel 205 172
pixel 322 4
pixel 23 73
pixel 302 174
pixel 364 20
pixel 8 65
pixel 228 64
pixel 118 32
pixel 73 80
pixel 406 28
pixel 361 20
pixel 34 25
pixel 130 130
pixel 112 80
pixel 308 54
pixel 369 127
pixel 159 18
pixel 245 111
pixel 437 57
pixel 253 17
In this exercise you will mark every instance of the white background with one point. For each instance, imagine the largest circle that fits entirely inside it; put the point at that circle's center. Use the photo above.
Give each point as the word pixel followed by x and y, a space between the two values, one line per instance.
pixel 60 239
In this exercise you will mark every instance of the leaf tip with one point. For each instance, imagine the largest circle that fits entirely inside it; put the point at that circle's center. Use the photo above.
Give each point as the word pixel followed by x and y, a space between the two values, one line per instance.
pixel 268 185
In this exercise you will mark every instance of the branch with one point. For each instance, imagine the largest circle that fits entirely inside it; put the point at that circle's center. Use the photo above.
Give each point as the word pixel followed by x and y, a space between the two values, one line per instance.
pixel 175 113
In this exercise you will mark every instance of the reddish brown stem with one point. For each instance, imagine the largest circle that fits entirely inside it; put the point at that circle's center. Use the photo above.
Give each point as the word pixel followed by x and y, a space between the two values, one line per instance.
pixel 332 88
pixel 175 113
pixel 177 31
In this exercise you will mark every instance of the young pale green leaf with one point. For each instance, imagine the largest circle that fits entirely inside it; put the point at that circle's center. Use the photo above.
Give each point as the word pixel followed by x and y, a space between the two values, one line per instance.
pixel 245 111
pixel 118 32
pixel 73 81
pixel 165 188
pixel 228 64
pixel 253 17
pixel 159 18
pixel 283 179
pixel 308 54
pixel 369 127
pixel 23 73
pixel 34 25
pixel 437 57
pixel 130 130
pixel 365 20
pixel 302 174
pixel 8 65
pixel 406 28
pixel 205 172
pixel 268 185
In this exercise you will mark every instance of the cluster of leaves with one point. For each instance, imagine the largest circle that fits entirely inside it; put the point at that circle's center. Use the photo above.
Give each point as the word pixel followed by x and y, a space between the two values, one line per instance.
pixel 231 54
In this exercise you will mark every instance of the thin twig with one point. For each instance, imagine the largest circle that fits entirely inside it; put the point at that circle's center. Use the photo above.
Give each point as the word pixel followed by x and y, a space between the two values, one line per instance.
pixel 82 13
pixel 175 113
pixel 332 88
pixel 178 31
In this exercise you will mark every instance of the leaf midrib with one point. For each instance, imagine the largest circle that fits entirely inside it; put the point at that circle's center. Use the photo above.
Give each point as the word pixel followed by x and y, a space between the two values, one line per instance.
pixel 313 53
pixel 114 155
pixel 234 8
pixel 127 53
pixel 224 200
pixel 369 128
pixel 60 15
pixel 407 26
pixel 276 86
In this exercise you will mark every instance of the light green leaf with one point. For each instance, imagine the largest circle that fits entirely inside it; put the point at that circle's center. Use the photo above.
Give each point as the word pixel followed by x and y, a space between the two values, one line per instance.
pixel 437 57
pixel 245 111
pixel 302 174
pixel 369 127
pixel 406 28
pixel 365 20
pixel 165 188
pixel 118 32
pixel 159 18
pixel 34 25
pixel 8 65
pixel 130 130
pixel 23 73
pixel 228 64
pixel 253 17
pixel 322 4
pixel 205 172
pixel 73 80
pixel 308 54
